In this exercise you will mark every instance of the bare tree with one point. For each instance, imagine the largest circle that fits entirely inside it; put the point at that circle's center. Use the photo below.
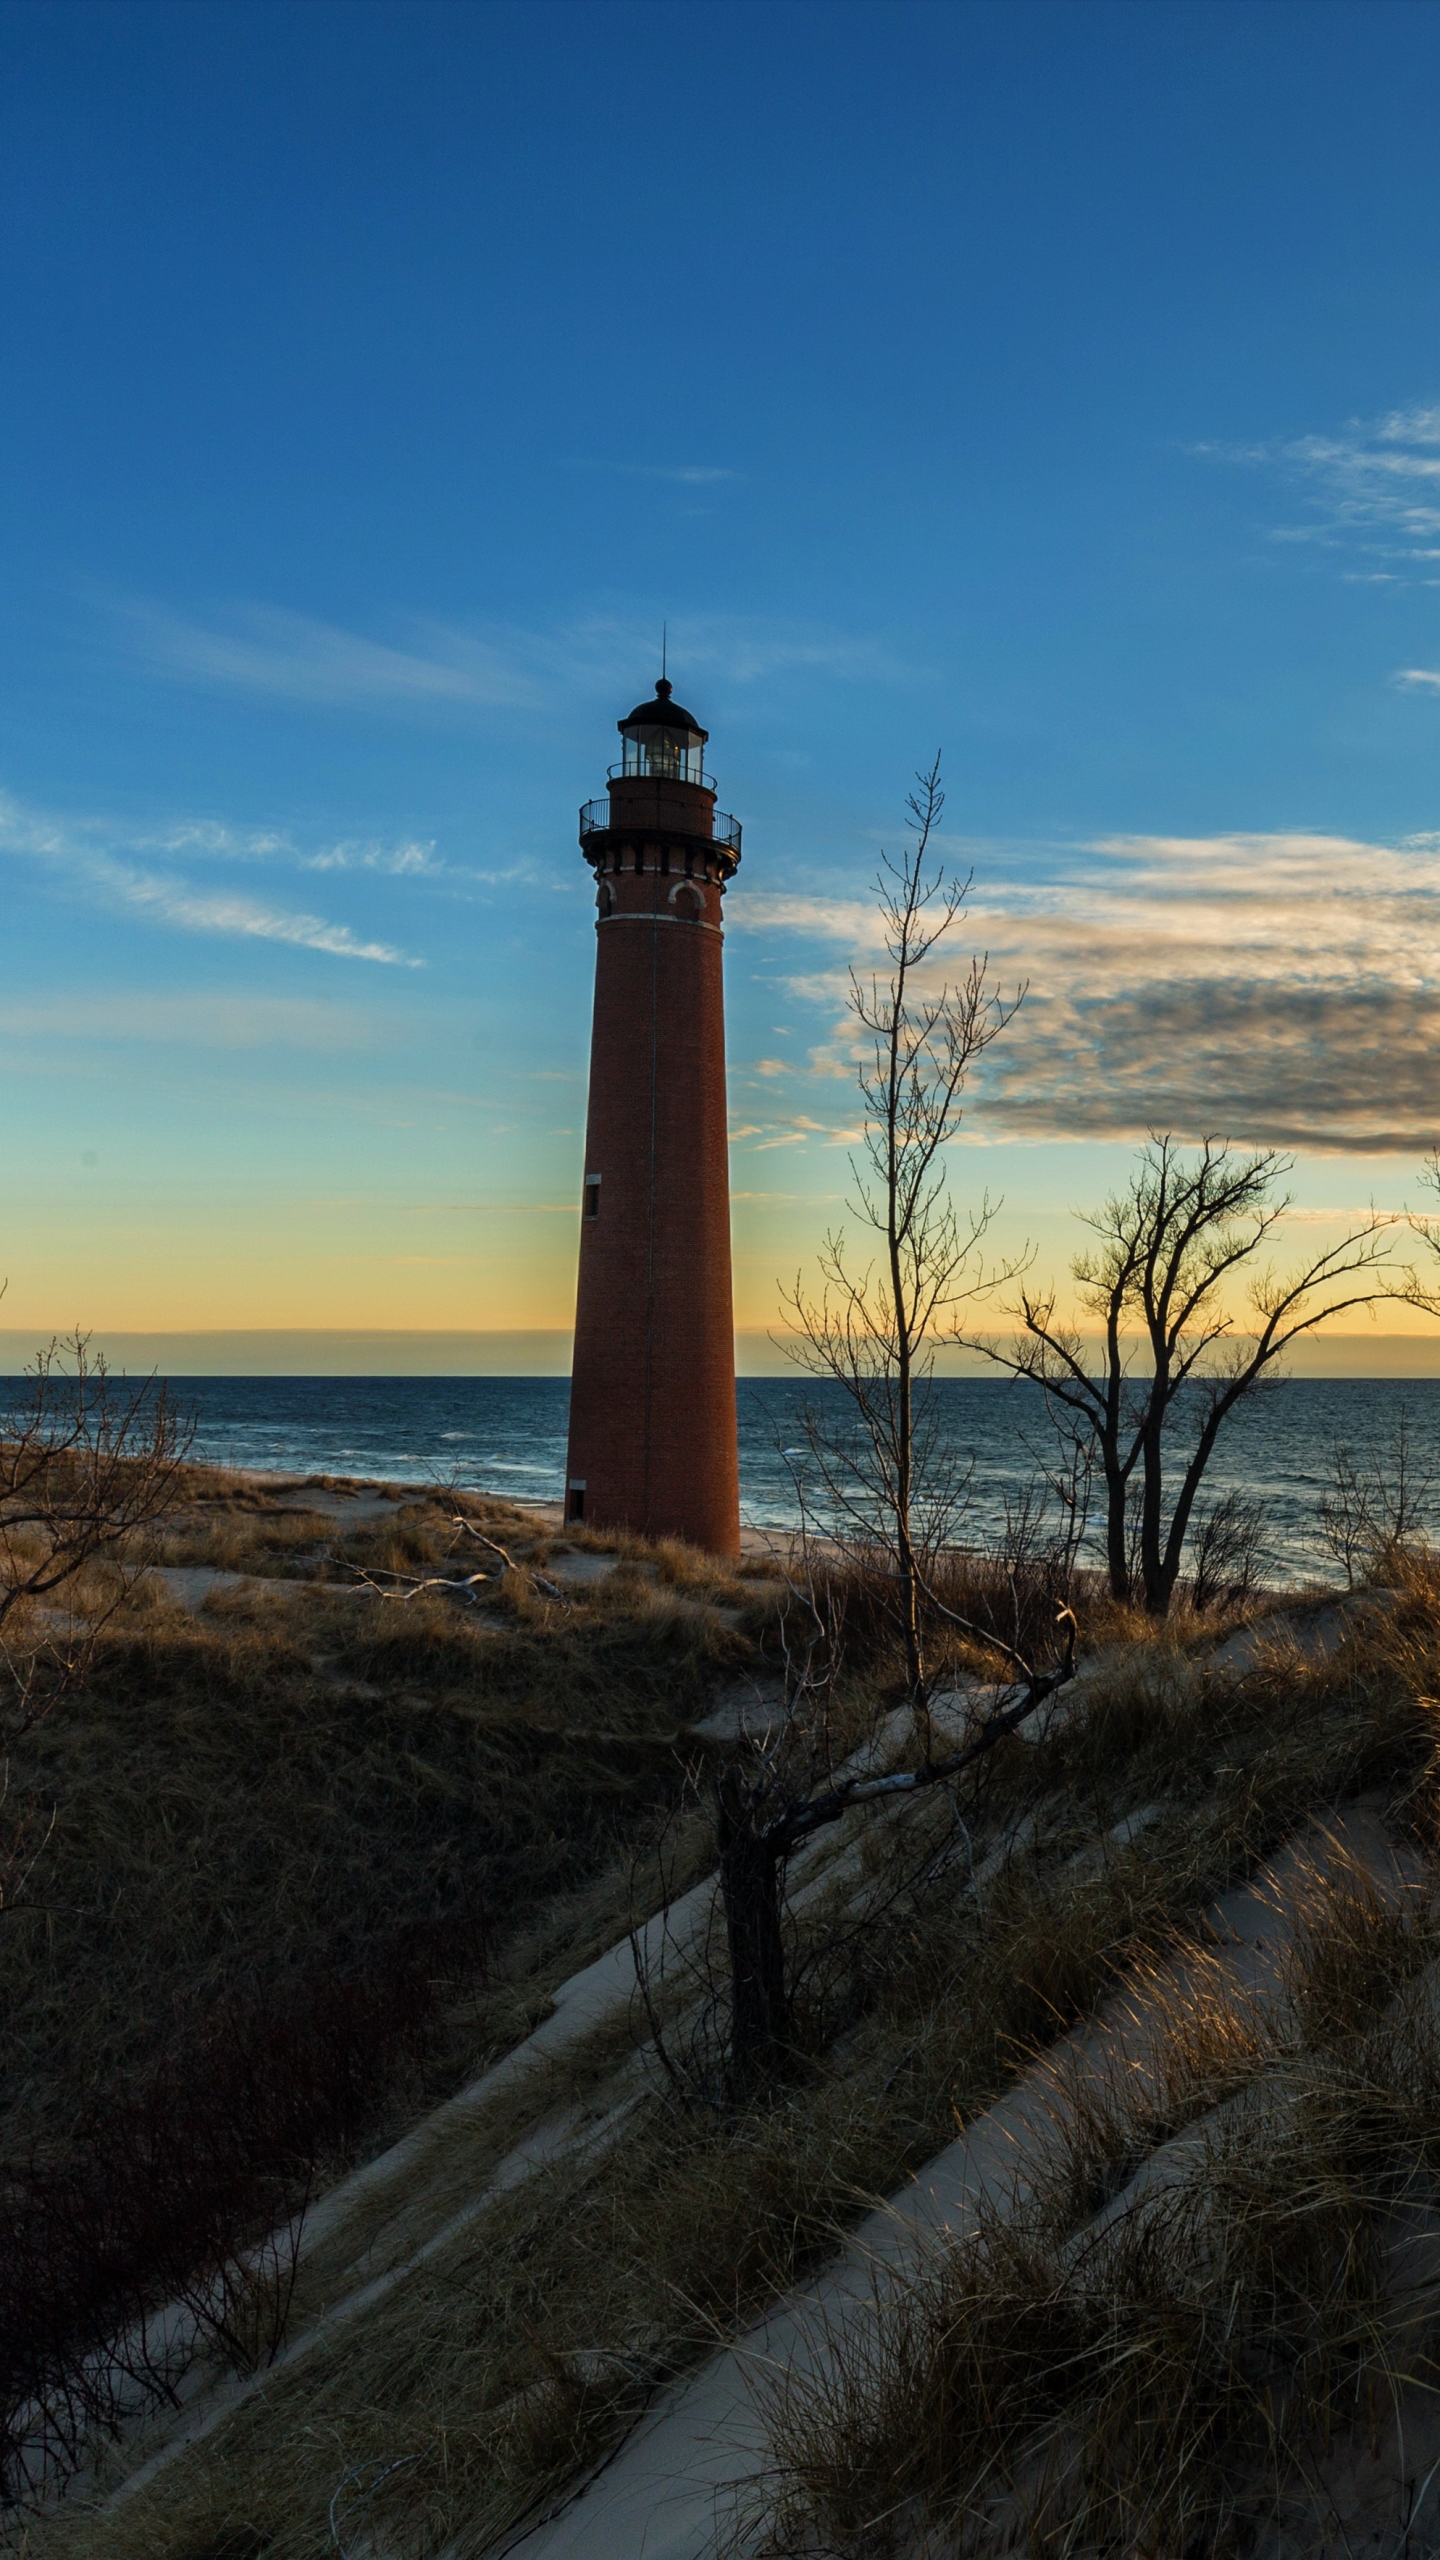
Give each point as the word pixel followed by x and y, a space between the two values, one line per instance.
pixel 872 1330
pixel 1170 1249
pixel 888 1486
pixel 86 1464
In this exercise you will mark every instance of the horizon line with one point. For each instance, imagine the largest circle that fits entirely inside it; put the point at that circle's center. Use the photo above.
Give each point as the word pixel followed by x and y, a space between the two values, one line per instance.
pixel 544 1351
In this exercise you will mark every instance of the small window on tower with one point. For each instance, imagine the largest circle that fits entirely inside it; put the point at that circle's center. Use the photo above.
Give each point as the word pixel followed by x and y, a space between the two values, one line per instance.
pixel 687 906
pixel 592 1195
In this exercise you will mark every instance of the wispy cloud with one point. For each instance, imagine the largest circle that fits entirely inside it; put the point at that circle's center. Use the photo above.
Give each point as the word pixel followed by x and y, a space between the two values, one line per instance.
pixel 409 859
pixel 220 911
pixel 847 920
pixel 256 648
pixel 687 475
pixel 399 861
pixel 1280 989
pixel 100 858
pixel 212 1021
pixel 791 1129
pixel 742 651
pixel 428 668
pixel 414 861
pixel 1373 487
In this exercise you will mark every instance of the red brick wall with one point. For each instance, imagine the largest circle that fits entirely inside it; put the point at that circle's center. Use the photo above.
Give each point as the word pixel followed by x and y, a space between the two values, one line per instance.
pixel 652 1400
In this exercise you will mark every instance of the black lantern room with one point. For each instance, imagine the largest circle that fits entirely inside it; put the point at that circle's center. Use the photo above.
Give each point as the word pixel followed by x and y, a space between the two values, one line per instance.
pixel 662 739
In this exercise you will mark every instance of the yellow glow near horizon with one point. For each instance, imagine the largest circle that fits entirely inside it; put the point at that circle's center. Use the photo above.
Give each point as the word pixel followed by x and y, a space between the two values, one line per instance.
pixel 208 1263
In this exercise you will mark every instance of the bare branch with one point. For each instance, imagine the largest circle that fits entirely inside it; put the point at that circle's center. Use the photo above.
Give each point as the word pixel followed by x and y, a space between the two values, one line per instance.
pixel 87 1465
pixel 1158 1283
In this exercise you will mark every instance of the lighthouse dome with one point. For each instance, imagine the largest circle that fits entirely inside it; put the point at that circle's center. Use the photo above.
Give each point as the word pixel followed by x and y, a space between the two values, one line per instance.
pixel 663 738
pixel 662 713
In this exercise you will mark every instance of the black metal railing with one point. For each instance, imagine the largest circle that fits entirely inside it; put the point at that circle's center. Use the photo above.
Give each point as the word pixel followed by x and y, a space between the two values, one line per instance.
pixel 595 820
pixel 683 770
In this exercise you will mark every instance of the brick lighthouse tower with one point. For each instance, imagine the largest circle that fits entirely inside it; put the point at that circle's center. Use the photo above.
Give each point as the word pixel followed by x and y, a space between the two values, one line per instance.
pixel 652 1399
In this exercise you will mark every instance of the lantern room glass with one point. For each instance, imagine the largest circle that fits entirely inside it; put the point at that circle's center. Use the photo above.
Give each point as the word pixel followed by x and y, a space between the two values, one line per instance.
pixel 673 755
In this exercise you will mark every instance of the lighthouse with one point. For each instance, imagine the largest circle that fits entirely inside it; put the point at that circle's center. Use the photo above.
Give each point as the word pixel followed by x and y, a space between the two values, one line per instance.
pixel 652 1398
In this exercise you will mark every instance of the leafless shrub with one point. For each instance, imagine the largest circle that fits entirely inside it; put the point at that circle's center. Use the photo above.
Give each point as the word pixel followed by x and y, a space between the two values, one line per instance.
pixel 1229 1550
pixel 1378 1507
pixel 893 1503
pixel 87 1464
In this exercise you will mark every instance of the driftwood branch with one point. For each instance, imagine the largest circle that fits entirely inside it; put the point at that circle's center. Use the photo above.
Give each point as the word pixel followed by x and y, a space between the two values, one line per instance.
pixel 460 1520
pixel 455 1586
pixel 404 1587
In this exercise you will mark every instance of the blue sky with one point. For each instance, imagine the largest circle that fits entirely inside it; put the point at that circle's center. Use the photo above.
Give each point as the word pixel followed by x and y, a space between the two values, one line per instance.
pixel 1056 386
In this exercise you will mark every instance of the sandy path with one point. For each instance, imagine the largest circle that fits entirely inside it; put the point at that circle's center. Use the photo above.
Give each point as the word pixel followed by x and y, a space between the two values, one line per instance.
pixel 694 2466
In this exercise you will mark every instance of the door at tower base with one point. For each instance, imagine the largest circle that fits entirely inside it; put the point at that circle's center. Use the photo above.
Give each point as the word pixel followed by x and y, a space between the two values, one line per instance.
pixel 652 1406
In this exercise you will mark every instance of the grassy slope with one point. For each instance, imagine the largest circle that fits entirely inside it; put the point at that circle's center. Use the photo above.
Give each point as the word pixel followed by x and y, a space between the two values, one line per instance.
pixel 305 1833
pixel 293 1782
pixel 521 2348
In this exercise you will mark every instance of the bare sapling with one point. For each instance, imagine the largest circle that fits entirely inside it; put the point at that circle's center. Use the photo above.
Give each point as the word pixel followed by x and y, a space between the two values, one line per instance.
pixel 893 1496
pixel 1174 1359
pixel 88 1463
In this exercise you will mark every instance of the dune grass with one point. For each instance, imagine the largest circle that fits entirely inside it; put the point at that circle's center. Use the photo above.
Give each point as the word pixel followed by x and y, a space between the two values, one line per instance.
pixel 1166 2371
pixel 524 2346
pixel 1215 2272
pixel 299 1827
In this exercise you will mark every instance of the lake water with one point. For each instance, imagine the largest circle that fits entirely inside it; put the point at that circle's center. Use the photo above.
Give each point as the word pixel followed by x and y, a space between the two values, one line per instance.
pixel 508 1435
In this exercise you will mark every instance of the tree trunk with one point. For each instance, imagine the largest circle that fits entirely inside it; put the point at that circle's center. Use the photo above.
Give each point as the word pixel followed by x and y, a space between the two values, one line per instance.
pixel 1159 1591
pixel 904 1463
pixel 1117 1545
pixel 1157 1583
pixel 750 1865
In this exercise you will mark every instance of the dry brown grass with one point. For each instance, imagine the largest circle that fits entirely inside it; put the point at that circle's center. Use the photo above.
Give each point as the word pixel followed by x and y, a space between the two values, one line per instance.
pixel 525 2345
pixel 1118 2396
pixel 281 1797
pixel 1160 2377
